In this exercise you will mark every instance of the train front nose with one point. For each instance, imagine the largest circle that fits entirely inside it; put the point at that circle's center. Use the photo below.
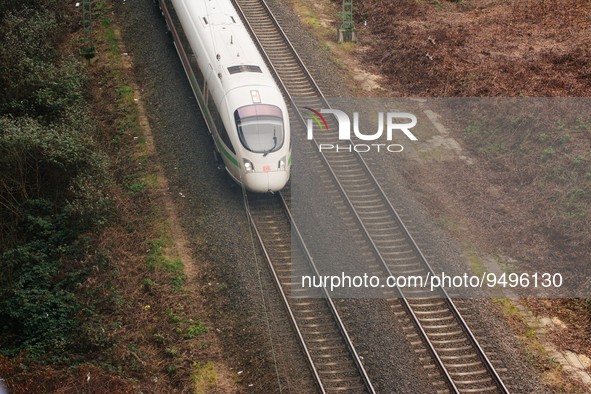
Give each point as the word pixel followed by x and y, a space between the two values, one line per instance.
pixel 263 182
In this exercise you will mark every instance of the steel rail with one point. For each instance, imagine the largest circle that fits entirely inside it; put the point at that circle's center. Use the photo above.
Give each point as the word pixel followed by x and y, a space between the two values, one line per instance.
pixel 292 318
pixel 469 335
pixel 446 297
pixel 463 325
pixel 291 48
pixel 414 246
pixel 407 306
pixel 327 296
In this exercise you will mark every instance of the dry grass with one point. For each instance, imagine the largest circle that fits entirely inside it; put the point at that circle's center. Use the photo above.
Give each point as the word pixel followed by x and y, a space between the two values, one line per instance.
pixel 480 48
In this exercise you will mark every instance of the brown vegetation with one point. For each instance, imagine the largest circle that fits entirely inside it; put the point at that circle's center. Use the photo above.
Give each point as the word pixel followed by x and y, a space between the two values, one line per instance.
pixel 480 47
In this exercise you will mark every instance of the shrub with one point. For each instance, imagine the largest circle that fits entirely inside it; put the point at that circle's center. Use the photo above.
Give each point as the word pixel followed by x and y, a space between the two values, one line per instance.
pixel 58 162
pixel 33 81
pixel 195 330
pixel 53 181
pixel 39 304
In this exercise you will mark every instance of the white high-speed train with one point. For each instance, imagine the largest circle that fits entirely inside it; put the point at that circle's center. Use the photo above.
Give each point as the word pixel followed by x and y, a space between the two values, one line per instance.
pixel 242 105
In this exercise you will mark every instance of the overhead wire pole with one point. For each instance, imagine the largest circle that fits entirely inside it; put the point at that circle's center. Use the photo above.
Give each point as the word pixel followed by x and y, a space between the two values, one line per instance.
pixel 87 49
pixel 346 31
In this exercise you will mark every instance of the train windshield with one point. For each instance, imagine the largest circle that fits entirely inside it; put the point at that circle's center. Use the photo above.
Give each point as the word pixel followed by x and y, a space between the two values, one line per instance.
pixel 260 128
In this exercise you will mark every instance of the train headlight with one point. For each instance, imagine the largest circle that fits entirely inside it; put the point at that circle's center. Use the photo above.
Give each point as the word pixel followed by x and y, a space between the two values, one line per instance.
pixel 248 167
pixel 281 164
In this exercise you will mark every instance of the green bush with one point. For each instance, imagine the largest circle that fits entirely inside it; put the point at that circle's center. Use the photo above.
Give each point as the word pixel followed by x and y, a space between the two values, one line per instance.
pixel 58 162
pixel 33 80
pixel 54 181
pixel 195 330
pixel 39 304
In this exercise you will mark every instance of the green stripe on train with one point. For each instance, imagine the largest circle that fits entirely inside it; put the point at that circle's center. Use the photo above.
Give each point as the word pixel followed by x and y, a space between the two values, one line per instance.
pixel 225 152
pixel 209 120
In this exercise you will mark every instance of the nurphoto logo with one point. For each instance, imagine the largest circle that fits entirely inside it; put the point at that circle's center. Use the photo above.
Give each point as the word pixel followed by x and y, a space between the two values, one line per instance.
pixel 345 129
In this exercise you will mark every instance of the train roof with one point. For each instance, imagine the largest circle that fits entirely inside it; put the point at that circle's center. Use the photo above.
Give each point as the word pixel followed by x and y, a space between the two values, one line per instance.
pixel 228 44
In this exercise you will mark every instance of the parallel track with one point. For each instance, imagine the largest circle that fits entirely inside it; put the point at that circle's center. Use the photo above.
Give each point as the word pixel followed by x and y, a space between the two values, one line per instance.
pixel 440 329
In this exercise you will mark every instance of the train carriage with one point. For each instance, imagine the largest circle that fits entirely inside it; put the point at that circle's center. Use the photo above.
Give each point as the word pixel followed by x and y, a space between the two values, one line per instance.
pixel 242 105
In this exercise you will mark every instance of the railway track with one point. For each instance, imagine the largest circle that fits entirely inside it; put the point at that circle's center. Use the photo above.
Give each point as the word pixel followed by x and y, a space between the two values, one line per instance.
pixel 436 329
pixel 322 335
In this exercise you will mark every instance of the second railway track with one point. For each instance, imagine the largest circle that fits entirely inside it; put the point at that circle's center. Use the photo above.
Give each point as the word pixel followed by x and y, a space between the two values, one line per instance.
pixel 439 329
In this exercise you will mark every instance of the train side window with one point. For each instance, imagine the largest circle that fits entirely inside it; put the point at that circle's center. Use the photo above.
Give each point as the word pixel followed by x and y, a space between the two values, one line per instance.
pixel 219 124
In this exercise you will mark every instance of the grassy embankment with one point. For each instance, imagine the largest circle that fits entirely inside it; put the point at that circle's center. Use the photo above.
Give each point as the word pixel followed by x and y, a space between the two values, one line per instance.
pixel 540 154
